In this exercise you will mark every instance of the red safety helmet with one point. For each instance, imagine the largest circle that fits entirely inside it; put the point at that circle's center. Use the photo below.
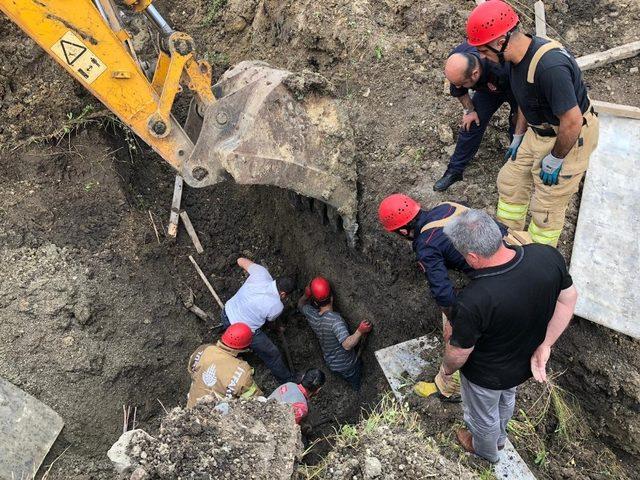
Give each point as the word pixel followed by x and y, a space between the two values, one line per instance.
pixel 320 289
pixel 237 336
pixel 490 20
pixel 397 210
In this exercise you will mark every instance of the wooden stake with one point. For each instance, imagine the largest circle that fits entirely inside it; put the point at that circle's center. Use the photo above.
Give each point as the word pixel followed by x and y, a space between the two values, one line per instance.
pixel 175 207
pixel 616 109
pixel 595 60
pixel 186 221
pixel 541 23
pixel 206 282
pixel 154 227
pixel 198 312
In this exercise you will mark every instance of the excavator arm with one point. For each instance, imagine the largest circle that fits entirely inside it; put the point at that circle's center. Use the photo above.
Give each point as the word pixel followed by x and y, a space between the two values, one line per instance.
pixel 87 40
pixel 263 126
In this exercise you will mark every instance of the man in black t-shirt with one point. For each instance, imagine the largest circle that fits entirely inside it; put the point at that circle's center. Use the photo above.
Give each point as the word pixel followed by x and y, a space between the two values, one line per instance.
pixel 555 115
pixel 519 301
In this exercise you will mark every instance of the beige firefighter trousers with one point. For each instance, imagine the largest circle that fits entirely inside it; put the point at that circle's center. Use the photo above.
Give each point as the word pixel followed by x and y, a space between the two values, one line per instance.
pixel 520 187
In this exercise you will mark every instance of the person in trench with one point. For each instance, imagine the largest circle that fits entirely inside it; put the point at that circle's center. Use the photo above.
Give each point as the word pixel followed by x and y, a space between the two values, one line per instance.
pixel 256 303
pixel 338 346
pixel 519 300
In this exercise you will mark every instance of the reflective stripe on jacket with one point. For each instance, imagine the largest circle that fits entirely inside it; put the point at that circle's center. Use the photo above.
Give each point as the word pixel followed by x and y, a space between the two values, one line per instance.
pixel 216 370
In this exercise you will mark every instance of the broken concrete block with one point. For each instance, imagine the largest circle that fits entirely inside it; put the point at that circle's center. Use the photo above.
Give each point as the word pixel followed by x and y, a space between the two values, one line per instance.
pixel 28 428
pixel 119 451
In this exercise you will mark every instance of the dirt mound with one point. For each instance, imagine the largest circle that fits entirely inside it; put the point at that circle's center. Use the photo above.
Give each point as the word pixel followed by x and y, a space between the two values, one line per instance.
pixel 387 443
pixel 252 440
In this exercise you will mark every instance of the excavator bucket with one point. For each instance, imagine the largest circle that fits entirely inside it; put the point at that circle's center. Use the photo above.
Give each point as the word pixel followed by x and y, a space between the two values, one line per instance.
pixel 274 127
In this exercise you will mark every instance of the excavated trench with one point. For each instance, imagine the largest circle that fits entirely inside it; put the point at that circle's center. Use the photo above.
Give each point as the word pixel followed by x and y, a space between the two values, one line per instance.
pixel 95 320
pixel 377 281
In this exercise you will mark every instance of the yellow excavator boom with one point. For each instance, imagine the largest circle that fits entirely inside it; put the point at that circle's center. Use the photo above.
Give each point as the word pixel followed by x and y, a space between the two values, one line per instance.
pixel 78 36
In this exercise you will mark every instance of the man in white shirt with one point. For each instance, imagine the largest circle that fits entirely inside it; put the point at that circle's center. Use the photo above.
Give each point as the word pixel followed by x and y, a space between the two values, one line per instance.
pixel 258 301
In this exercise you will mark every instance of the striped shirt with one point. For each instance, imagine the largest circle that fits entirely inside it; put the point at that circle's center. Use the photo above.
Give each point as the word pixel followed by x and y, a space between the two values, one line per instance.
pixel 331 331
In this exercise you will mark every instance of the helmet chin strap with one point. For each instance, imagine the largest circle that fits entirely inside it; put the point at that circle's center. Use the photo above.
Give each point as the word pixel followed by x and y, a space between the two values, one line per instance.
pixel 500 53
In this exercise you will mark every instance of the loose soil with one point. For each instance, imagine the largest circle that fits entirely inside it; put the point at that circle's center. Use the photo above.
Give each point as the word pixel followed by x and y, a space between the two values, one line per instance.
pixel 250 440
pixel 92 317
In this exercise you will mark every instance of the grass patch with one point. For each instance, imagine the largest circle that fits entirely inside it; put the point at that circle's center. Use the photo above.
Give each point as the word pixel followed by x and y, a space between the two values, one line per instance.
pixel 388 412
pixel 214 10
pixel 378 53
pixel 551 424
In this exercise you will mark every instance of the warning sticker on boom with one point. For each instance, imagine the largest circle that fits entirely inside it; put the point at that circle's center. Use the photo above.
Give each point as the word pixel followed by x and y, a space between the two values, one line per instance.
pixel 73 52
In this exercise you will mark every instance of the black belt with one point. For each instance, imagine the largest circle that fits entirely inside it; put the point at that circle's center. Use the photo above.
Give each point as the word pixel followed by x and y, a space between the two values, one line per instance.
pixel 544 132
pixel 550 132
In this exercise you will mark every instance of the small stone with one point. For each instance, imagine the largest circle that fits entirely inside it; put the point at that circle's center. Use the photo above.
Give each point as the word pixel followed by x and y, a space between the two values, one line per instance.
pixel 366 93
pixel 139 474
pixel 445 134
pixel 372 468
pixel 68 341
pixel 633 70
pixel 236 25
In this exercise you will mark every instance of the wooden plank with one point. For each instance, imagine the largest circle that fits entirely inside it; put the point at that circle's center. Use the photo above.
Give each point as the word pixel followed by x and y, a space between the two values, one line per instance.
pixel 175 207
pixel 598 59
pixel 541 21
pixel 616 109
pixel 186 221
pixel 28 429
pixel 206 282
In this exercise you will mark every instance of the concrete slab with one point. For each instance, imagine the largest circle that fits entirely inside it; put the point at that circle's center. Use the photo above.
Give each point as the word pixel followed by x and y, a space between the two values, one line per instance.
pixel 28 428
pixel 606 249
pixel 404 362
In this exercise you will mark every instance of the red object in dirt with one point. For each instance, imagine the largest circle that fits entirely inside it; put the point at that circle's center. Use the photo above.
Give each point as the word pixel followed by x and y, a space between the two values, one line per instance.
pixel 397 210
pixel 365 327
pixel 237 336
pixel 490 20
pixel 320 289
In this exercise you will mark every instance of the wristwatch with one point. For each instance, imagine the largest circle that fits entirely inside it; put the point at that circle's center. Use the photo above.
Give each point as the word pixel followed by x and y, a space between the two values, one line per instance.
pixel 466 111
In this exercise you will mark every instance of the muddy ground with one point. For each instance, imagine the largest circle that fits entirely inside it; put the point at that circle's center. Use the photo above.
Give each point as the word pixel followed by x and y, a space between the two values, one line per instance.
pixel 91 316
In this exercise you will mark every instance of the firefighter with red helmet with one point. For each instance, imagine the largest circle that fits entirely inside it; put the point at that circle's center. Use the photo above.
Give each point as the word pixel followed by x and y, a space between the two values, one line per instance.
pixel 338 346
pixel 402 215
pixel 556 130
pixel 216 369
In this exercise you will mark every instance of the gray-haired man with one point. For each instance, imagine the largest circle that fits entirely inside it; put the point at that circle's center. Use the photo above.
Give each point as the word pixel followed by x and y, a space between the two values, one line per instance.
pixel 519 301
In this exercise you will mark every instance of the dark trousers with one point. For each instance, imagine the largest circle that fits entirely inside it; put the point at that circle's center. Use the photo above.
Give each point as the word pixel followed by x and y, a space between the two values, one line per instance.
pixel 354 377
pixel 486 104
pixel 264 348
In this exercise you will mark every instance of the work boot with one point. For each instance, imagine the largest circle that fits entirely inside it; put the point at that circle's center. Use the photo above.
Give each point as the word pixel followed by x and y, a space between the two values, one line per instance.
pixel 448 179
pixel 465 439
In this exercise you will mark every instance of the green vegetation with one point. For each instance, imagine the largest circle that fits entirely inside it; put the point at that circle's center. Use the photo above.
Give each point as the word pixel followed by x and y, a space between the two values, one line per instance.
pixel 388 413
pixel 215 7
pixel 378 52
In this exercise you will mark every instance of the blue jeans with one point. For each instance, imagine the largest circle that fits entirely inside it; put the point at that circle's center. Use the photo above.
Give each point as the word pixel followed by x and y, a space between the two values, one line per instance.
pixel 264 348
pixel 354 377
pixel 486 104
